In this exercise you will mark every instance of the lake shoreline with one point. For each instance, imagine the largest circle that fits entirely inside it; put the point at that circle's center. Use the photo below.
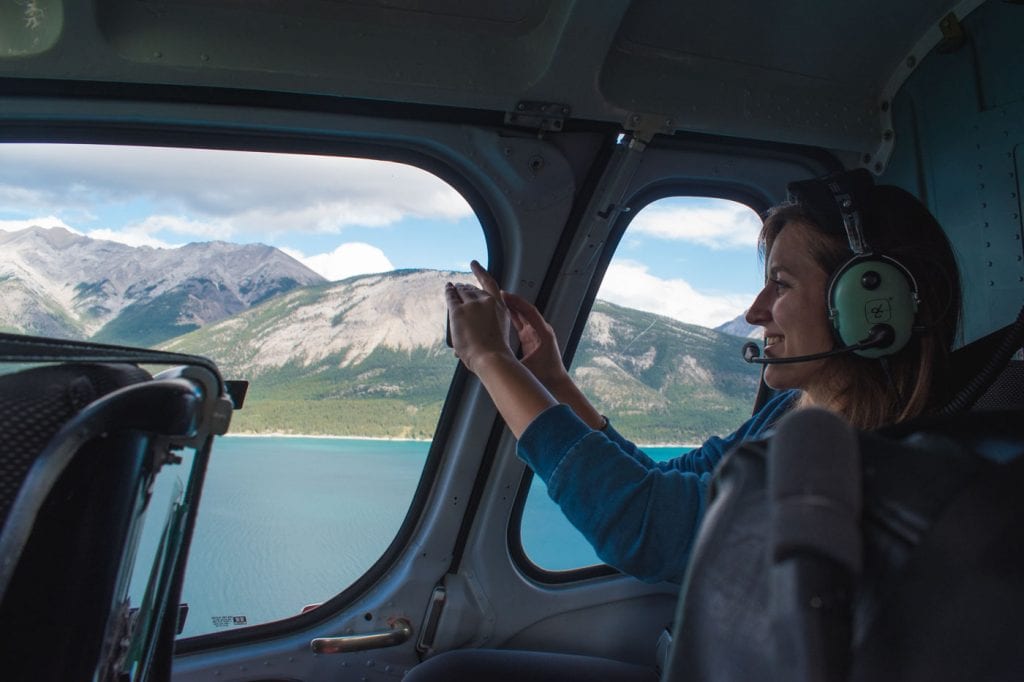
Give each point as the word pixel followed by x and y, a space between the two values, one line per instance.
pixel 249 434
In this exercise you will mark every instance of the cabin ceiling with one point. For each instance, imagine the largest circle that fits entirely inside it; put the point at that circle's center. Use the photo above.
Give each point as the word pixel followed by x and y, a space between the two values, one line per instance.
pixel 806 72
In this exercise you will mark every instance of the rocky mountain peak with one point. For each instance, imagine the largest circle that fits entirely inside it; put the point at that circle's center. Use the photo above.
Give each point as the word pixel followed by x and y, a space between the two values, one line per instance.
pixel 66 284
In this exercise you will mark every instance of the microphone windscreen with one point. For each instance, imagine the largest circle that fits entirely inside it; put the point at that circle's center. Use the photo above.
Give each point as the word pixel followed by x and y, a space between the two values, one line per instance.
pixel 814 488
pixel 751 351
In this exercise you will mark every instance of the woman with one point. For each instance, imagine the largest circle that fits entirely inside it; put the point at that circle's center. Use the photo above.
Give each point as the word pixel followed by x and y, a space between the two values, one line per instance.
pixel 642 516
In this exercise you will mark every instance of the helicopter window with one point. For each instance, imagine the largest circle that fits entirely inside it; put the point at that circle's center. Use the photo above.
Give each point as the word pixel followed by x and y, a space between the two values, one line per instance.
pixel 660 353
pixel 308 276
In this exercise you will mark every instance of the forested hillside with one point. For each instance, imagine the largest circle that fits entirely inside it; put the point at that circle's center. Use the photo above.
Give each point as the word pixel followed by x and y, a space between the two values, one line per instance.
pixel 366 357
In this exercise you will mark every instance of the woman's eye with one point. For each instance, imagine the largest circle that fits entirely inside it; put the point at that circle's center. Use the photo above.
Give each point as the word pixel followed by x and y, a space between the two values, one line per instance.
pixel 779 285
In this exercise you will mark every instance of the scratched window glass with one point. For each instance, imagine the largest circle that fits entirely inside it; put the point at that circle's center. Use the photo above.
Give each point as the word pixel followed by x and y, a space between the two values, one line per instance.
pixel 660 355
pixel 307 276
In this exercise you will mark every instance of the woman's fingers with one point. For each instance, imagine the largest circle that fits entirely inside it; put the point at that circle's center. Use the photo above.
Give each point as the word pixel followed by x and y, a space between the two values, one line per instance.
pixel 517 320
pixel 526 310
pixel 451 295
pixel 487 283
pixel 462 292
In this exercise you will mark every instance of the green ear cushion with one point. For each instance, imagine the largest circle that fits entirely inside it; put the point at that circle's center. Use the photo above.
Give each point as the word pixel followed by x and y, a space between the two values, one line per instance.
pixel 869 291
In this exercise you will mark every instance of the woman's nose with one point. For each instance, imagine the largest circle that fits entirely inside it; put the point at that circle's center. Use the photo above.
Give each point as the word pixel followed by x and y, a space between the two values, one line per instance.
pixel 759 311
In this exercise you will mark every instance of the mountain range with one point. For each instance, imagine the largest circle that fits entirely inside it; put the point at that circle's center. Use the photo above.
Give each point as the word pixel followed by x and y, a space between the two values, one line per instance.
pixel 363 356
pixel 54 282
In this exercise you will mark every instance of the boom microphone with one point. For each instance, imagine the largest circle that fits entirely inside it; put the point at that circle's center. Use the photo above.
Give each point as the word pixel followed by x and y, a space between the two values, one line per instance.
pixel 879 336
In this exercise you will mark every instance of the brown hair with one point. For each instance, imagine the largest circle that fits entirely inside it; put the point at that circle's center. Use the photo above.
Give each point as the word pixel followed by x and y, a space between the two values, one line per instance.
pixel 872 393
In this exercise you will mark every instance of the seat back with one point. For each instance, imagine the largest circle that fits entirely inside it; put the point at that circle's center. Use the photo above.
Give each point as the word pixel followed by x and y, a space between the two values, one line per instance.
pixel 988 372
pixel 80 446
pixel 1006 391
pixel 65 581
pixel 936 594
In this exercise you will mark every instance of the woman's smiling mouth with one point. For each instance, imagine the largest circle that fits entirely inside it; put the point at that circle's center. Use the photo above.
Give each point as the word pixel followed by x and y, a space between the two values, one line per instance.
pixel 772 340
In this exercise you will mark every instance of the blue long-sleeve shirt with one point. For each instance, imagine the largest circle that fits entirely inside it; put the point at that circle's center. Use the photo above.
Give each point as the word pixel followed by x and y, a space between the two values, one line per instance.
pixel 641 516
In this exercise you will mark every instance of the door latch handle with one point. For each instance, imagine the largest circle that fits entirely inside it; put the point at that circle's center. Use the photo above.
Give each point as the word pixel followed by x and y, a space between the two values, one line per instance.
pixel 400 631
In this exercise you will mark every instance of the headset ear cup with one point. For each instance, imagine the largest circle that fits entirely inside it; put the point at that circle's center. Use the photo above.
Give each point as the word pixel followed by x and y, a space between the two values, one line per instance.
pixel 868 291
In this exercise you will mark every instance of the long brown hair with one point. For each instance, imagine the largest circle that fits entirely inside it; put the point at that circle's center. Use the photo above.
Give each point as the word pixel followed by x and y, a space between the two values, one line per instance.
pixel 873 393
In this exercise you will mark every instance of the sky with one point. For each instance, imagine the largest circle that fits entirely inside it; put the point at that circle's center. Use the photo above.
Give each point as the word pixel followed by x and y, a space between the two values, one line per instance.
pixel 692 259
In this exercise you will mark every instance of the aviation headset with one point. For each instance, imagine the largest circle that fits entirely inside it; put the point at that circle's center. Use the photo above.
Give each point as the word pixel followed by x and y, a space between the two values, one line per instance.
pixel 871 295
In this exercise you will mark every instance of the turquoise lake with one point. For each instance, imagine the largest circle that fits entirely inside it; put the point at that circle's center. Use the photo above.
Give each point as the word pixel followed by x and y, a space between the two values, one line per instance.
pixel 287 522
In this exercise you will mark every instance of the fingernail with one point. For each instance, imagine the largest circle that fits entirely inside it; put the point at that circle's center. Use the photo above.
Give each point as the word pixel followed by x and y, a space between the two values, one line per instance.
pixel 449 285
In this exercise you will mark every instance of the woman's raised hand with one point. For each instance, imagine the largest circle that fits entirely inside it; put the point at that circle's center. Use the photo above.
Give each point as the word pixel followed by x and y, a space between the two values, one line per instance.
pixel 540 346
pixel 479 319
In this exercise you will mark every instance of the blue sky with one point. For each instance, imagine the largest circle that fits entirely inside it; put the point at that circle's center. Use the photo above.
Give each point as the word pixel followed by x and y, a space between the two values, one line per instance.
pixel 693 259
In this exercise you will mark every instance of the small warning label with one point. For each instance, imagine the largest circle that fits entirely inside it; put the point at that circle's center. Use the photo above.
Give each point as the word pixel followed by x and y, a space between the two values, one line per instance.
pixel 227 621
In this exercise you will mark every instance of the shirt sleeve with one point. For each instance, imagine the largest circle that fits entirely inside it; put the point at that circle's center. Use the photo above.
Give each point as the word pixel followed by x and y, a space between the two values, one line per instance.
pixel 640 516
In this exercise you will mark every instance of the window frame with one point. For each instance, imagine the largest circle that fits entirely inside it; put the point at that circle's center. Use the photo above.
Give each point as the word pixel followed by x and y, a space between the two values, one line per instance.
pixel 344 143
pixel 639 201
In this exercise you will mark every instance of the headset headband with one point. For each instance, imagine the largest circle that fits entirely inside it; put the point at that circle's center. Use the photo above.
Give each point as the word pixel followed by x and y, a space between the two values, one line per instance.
pixel 834 202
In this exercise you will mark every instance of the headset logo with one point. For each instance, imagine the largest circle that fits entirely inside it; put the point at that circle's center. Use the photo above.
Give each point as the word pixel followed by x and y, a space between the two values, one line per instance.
pixel 878 310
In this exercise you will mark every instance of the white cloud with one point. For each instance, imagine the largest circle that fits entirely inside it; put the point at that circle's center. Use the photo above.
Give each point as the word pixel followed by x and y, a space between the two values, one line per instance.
pixel 47 221
pixel 250 192
pixel 206 229
pixel 136 235
pixel 131 238
pixel 727 225
pixel 630 284
pixel 348 260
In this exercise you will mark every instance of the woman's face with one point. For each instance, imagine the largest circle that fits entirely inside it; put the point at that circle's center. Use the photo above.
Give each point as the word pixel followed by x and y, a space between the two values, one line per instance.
pixel 792 310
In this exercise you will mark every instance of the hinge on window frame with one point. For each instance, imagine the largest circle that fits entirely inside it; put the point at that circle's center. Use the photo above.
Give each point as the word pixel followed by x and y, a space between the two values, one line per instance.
pixel 643 127
pixel 541 116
